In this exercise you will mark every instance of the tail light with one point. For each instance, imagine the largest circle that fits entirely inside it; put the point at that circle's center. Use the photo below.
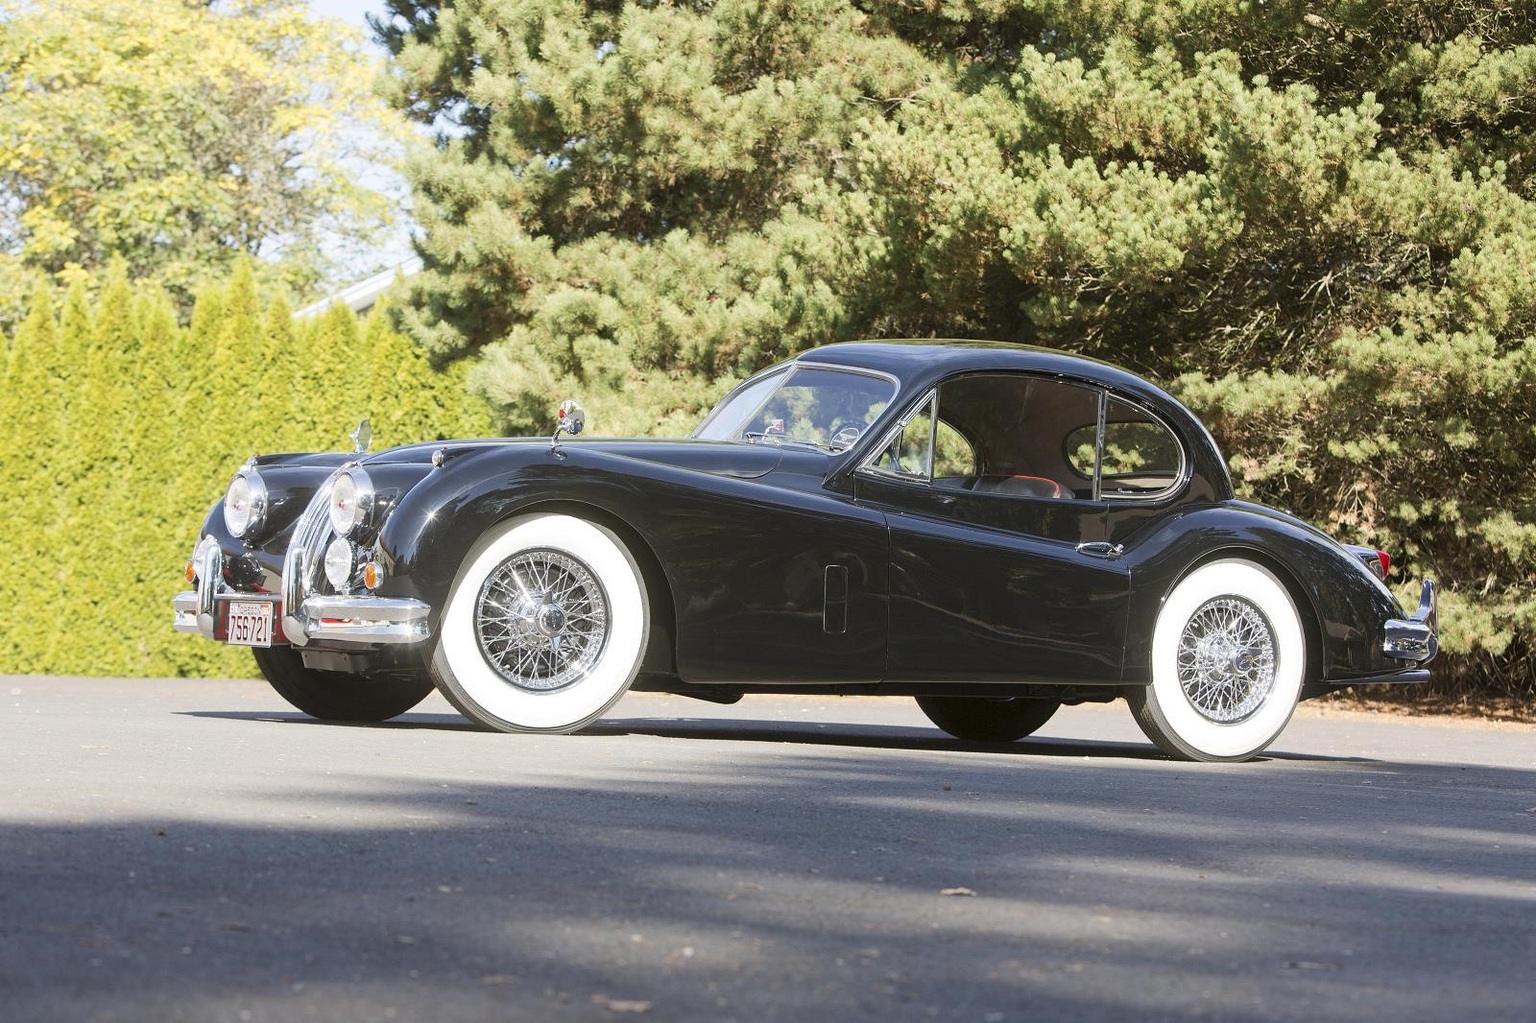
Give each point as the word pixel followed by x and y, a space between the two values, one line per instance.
pixel 1379 563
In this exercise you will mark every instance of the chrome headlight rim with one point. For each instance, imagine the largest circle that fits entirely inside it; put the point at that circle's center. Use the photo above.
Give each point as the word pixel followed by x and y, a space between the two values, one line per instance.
pixel 352 501
pixel 245 505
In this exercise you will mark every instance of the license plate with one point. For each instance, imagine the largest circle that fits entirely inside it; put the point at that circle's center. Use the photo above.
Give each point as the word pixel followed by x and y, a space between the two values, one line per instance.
pixel 250 623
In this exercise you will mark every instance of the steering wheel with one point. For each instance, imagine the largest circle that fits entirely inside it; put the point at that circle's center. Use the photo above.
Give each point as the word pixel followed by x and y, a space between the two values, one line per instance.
pixel 843 437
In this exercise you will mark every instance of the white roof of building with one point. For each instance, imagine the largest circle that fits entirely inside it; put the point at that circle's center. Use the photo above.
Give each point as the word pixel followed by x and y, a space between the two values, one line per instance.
pixel 361 296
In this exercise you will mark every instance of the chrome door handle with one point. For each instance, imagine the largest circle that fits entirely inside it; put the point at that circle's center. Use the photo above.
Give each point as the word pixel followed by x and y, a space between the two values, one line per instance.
pixel 1101 549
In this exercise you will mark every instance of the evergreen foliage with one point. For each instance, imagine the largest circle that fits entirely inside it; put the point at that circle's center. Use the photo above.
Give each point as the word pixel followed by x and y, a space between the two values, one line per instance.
pixel 122 429
pixel 32 407
pixel 1314 220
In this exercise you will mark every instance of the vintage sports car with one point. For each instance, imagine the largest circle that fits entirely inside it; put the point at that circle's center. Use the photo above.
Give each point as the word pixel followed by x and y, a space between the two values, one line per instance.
pixel 992 529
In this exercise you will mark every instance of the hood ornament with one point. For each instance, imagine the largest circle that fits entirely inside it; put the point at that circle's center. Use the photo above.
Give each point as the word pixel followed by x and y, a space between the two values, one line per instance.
pixel 571 419
pixel 361 437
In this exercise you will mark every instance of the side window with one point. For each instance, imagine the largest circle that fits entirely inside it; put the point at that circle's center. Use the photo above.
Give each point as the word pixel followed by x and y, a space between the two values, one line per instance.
pixel 1007 434
pixel 953 456
pixel 1141 458
pixel 910 453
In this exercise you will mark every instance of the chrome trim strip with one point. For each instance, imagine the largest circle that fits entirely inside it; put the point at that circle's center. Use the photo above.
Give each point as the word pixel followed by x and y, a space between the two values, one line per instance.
pixel 1415 639
pixel 366 619
pixel 1408 676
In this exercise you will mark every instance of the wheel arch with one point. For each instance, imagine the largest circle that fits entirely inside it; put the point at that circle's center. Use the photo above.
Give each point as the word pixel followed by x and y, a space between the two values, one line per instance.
pixel 1301 597
pixel 426 540
pixel 661 650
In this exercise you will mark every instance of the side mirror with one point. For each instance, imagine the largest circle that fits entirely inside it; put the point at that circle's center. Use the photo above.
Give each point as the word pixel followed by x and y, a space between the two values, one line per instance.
pixel 571 419
pixel 362 437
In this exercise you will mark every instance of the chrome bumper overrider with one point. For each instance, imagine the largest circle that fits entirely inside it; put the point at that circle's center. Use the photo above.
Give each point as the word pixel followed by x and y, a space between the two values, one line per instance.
pixel 354 617
pixel 1416 638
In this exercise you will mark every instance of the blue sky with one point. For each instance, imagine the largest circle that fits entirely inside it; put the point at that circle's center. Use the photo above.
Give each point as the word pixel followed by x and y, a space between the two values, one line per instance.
pixel 350 11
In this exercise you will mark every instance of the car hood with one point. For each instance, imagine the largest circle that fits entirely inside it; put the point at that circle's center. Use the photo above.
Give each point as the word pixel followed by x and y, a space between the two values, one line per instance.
pixel 741 461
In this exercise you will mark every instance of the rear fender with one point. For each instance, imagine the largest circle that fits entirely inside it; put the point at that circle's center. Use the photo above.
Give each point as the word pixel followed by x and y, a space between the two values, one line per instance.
pixel 1347 606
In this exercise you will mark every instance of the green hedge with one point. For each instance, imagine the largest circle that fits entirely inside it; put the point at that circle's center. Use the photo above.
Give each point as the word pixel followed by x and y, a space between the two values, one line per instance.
pixel 122 429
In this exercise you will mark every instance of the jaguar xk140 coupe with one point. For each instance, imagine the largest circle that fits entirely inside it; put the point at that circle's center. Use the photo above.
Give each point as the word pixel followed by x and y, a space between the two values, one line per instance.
pixel 992 529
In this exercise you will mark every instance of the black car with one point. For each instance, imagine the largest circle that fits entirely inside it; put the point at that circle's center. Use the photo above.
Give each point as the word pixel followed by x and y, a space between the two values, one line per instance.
pixel 992 529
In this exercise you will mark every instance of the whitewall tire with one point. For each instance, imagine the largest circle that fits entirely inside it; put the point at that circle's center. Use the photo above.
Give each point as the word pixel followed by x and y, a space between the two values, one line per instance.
pixel 1229 655
pixel 545 626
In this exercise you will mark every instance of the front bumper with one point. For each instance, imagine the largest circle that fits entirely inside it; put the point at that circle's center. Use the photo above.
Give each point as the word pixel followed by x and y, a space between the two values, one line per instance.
pixel 1416 637
pixel 354 618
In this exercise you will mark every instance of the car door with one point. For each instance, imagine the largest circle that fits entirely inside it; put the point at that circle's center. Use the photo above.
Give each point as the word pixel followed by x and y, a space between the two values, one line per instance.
pixel 1000 565
pixel 781 580
pixel 779 584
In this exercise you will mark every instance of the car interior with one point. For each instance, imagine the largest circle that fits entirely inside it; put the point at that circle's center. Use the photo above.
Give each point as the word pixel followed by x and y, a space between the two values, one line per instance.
pixel 1035 437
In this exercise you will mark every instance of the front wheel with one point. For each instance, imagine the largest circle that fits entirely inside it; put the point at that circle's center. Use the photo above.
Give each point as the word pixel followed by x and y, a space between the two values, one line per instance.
pixel 982 719
pixel 545 626
pixel 1228 656
pixel 336 696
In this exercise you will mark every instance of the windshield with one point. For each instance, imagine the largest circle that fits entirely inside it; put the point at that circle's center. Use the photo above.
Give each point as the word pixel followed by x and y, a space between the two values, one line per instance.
pixel 816 407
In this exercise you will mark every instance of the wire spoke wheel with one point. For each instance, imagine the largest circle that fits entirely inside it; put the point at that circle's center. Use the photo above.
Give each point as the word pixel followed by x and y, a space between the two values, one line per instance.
pixel 542 620
pixel 1227 659
pixel 1229 656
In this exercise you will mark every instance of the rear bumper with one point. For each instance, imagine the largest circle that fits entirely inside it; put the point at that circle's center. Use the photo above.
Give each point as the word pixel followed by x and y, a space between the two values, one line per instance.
pixel 1416 638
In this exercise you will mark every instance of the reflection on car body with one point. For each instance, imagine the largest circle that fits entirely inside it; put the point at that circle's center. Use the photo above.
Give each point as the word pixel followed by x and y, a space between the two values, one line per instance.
pixel 992 529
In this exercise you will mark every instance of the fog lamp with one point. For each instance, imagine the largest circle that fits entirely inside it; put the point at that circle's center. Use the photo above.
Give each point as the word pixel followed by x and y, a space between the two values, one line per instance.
pixel 339 563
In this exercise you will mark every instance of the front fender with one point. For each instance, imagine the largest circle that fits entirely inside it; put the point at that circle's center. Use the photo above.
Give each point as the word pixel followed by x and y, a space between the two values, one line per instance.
pixel 433 527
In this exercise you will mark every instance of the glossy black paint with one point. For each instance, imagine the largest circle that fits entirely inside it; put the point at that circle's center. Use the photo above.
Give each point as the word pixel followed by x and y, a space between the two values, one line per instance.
pixel 778 567
pixel 999 578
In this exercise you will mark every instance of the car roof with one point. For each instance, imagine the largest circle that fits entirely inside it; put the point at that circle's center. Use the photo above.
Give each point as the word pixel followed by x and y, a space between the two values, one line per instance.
pixel 922 362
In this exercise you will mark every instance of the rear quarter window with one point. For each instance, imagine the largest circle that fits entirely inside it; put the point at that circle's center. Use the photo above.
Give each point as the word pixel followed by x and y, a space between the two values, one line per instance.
pixel 1142 457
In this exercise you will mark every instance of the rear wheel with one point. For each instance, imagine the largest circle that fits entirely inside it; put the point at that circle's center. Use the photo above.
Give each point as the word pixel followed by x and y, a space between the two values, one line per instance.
pixel 1228 657
pixel 545 627
pixel 982 719
pixel 336 696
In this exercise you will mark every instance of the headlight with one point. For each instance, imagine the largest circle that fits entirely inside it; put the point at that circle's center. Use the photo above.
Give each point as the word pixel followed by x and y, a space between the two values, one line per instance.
pixel 351 501
pixel 245 504
pixel 338 563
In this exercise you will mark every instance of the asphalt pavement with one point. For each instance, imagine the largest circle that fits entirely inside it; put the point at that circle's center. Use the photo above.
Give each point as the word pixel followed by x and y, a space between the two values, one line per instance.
pixel 194 850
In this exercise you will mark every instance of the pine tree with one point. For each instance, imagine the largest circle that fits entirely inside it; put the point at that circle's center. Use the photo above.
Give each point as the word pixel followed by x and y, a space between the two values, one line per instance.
pixel 152 541
pixel 284 379
pixel 73 574
pixel 101 433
